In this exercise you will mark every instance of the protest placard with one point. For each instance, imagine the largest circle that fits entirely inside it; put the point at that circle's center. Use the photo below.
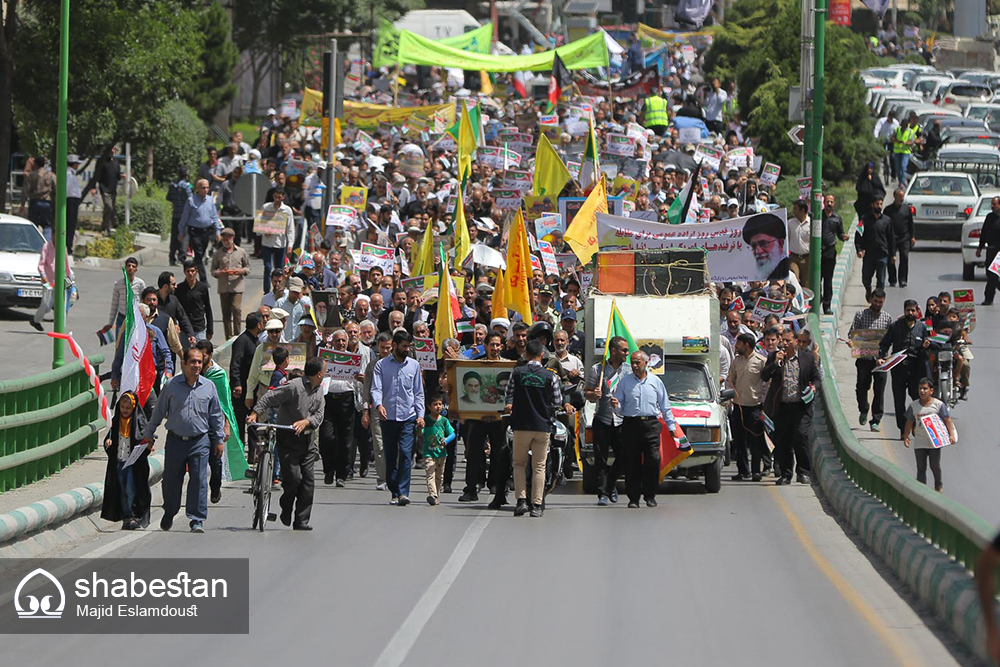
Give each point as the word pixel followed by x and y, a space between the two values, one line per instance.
pixel 341 365
pixel 548 119
pixel 626 187
pixel 805 185
pixel 766 306
pixel 548 258
pixel 425 353
pixel 964 301
pixel 865 342
pixel 354 197
pixel 364 143
pixel 770 174
pixel 709 155
pixel 538 205
pixel 373 255
pixel 341 216
pixel 296 355
pixel 506 198
pixel 546 224
pixel 518 180
pixel 619 144
pixel 740 156
pixel 936 431
pixel 689 135
pixel 270 223
pixel 289 108
pixel 574 169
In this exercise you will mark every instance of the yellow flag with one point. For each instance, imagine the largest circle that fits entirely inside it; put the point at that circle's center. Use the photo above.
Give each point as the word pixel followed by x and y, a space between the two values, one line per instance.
pixel 519 269
pixel 582 232
pixel 462 242
pixel 486 85
pixel 466 141
pixel 444 320
pixel 499 297
pixel 424 265
pixel 311 110
pixel 551 175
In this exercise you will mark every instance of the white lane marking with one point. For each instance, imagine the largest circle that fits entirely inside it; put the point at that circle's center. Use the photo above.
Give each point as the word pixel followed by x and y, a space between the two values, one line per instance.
pixel 399 646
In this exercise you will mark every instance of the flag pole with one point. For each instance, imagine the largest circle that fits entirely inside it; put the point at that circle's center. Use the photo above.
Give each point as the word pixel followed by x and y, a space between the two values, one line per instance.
pixel 59 233
pixel 604 359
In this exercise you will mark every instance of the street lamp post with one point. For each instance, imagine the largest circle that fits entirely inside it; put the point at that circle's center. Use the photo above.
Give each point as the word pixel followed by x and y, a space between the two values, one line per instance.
pixel 816 241
pixel 59 236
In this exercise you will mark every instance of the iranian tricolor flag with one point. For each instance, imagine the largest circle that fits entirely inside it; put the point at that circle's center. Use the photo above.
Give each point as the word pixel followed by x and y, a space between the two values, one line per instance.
pixel 519 86
pixel 590 169
pixel 138 368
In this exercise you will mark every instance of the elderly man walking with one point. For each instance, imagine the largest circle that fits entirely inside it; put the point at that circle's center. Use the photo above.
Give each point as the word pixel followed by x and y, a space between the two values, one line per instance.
pixel 190 404
pixel 200 221
pixel 642 399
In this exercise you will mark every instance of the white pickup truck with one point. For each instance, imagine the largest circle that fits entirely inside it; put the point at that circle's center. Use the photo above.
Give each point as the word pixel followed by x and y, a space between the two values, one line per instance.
pixel 681 334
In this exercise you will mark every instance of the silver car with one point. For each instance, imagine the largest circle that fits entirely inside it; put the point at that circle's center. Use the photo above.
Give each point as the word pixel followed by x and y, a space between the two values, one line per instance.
pixel 20 250
pixel 941 202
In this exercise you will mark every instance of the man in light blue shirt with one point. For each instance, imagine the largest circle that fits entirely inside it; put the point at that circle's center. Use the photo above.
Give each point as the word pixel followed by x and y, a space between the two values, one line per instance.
pixel 642 399
pixel 200 221
pixel 398 397
pixel 190 404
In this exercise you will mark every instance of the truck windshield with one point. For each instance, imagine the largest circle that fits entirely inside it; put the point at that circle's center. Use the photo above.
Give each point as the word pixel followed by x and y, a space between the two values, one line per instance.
pixel 686 382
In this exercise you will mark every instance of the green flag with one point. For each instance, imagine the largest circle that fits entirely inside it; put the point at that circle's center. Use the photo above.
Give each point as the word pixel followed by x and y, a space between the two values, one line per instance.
pixel 617 327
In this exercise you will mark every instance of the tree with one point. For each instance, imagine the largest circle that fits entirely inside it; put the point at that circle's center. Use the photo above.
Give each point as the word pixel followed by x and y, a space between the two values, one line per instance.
pixel 6 84
pixel 212 87
pixel 128 58
pixel 765 67
pixel 179 141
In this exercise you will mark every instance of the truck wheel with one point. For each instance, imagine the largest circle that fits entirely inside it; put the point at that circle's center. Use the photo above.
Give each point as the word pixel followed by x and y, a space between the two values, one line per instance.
pixel 713 476
pixel 589 478
pixel 968 272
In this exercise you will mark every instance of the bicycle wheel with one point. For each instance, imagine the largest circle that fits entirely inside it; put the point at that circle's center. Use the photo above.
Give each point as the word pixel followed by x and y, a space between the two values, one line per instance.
pixel 265 465
pixel 255 493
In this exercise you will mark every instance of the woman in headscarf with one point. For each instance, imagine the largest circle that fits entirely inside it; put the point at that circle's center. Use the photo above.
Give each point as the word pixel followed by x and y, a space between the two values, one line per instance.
pixel 869 188
pixel 126 488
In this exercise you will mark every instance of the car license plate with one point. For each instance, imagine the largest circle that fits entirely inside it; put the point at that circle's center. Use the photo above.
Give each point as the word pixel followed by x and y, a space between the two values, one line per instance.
pixel 939 212
pixel 30 293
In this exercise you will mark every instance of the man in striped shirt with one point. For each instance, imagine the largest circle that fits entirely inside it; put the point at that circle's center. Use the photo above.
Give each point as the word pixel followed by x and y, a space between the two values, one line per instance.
pixel 871 318
pixel 119 297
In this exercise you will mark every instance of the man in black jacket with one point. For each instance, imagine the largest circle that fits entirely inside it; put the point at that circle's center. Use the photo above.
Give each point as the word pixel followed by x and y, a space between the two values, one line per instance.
pixel 833 229
pixel 989 238
pixel 910 334
pixel 901 217
pixel 794 377
pixel 193 296
pixel 239 368
pixel 166 287
pixel 875 246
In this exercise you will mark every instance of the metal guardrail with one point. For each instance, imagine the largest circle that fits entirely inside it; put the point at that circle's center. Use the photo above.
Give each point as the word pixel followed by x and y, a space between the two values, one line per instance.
pixel 47 421
pixel 947 524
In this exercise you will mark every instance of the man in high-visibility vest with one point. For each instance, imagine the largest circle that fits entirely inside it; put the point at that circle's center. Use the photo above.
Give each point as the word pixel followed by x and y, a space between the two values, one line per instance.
pixel 655 115
pixel 903 140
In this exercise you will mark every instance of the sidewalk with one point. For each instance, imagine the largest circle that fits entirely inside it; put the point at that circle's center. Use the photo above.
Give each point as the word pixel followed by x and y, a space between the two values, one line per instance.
pixel 34 351
pixel 887 442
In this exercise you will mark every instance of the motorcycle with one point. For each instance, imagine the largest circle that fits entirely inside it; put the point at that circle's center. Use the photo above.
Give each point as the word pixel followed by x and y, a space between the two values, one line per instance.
pixel 557 456
pixel 946 383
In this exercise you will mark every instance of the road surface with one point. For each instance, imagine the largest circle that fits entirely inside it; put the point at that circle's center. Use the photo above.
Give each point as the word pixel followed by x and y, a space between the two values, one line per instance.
pixel 757 575
pixel 970 469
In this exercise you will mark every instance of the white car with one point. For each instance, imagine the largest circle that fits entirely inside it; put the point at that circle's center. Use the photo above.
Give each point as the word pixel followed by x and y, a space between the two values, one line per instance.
pixel 971 229
pixel 942 201
pixel 20 250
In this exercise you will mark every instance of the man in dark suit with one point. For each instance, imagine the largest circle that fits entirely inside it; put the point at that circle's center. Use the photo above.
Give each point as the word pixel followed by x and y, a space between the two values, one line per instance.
pixel 901 218
pixel 910 334
pixel 833 229
pixel 989 239
pixel 794 377
pixel 239 370
pixel 875 246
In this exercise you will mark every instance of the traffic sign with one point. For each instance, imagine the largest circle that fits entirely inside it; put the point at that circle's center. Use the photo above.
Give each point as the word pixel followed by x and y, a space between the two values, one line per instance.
pixel 797 134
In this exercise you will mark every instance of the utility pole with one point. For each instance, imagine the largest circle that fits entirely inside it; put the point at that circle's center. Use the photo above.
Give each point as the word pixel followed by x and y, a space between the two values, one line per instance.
pixel 816 210
pixel 805 85
pixel 330 94
pixel 59 234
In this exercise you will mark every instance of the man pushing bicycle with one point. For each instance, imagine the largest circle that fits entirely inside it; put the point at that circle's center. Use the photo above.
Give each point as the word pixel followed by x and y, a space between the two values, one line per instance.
pixel 300 405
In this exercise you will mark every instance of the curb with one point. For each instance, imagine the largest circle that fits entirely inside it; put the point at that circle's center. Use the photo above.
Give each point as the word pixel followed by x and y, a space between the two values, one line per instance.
pixel 947 588
pixel 63 507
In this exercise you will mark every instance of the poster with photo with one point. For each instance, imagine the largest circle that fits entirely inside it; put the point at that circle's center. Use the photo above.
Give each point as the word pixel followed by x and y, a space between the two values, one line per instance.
pixel 478 388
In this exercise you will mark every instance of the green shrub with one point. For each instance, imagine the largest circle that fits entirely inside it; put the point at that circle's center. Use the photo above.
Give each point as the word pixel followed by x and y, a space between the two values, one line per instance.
pixel 180 142
pixel 149 211
pixel 122 244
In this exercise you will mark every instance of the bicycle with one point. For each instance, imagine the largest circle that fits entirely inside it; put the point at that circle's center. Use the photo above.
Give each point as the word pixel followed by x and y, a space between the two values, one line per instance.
pixel 262 483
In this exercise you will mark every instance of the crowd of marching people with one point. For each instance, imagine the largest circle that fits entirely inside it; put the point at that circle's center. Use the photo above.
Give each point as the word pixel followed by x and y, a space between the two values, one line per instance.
pixel 403 195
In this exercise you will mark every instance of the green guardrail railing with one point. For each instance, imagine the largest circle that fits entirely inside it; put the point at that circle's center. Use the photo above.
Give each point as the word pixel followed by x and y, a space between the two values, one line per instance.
pixel 945 523
pixel 47 421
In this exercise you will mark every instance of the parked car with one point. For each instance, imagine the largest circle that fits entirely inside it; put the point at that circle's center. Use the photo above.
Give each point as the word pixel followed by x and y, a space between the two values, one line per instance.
pixel 960 94
pixel 968 135
pixel 971 230
pixel 928 85
pixel 20 250
pixel 941 202
pixel 980 162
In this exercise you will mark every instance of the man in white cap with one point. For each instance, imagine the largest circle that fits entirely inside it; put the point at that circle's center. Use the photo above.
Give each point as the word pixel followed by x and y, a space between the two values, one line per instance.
pixel 272 121
pixel 295 305
pixel 732 208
